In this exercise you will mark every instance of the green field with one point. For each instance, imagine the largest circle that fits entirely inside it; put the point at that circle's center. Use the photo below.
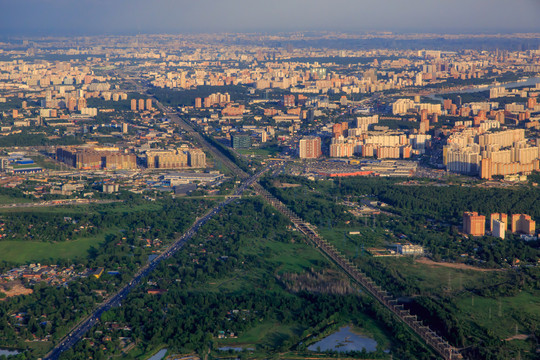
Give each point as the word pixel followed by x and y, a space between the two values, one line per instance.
pixel 72 209
pixel 270 333
pixel 436 279
pixel 501 316
pixel 68 210
pixel 351 245
pixel 285 257
pixel 6 199
pixel 26 251
pixel 266 152
pixel 278 258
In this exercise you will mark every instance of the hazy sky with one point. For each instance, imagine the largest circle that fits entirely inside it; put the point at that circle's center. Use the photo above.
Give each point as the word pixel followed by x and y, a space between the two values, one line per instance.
pixel 57 17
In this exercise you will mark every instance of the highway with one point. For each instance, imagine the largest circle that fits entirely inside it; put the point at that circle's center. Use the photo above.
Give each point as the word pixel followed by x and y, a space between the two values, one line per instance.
pixel 116 300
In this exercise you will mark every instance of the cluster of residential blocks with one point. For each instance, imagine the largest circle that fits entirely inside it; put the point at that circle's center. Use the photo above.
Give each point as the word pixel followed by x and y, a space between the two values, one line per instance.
pixel 475 224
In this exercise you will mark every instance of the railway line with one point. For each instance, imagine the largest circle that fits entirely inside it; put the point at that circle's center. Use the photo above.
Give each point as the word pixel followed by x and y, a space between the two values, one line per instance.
pixel 435 341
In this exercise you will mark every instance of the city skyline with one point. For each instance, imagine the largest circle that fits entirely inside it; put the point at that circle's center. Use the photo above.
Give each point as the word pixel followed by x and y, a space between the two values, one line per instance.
pixel 64 17
pixel 269 179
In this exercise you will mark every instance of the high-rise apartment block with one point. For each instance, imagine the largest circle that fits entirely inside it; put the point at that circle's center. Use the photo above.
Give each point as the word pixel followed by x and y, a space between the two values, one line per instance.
pixel 309 147
pixel 288 100
pixel 166 159
pixel 500 217
pixel 337 130
pixel 402 106
pixel 340 147
pixel 96 158
pixel 498 228
pixel 474 224
pixel 196 158
pixel 522 223
pixel 363 122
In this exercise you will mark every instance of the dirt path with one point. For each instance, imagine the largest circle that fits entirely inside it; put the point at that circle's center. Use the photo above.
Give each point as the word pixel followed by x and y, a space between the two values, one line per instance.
pixel 427 261
pixel 518 337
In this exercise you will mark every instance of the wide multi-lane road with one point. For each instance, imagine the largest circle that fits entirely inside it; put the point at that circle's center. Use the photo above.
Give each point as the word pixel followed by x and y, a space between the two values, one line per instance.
pixel 86 324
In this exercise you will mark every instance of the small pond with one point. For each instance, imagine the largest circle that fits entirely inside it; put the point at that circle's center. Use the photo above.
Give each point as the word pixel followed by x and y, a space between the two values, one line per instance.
pixel 344 341
pixel 159 355
pixel 6 352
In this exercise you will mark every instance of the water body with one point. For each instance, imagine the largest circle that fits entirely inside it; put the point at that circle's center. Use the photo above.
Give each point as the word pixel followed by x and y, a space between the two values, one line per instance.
pixel 8 352
pixel 344 341
pixel 529 82
pixel 160 355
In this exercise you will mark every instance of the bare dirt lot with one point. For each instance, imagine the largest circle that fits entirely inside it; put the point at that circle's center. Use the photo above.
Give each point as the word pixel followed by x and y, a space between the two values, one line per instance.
pixel 14 289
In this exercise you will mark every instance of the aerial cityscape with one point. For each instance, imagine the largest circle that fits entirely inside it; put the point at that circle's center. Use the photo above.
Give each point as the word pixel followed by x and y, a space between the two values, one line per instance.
pixel 217 180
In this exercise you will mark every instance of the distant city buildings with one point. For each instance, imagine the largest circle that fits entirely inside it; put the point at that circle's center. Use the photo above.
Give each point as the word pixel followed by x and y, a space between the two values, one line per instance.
pixel 109 158
pixel 212 99
pixel 403 106
pixel 474 152
pixel 363 140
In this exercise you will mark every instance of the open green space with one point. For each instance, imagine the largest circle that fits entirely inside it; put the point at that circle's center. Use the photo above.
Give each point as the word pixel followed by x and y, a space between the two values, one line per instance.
pixel 275 257
pixel 285 257
pixel 6 199
pixel 63 209
pixel 269 332
pixel 266 152
pixel 354 245
pixel 68 210
pixel 26 251
pixel 465 283
pixel 505 316
pixel 435 279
